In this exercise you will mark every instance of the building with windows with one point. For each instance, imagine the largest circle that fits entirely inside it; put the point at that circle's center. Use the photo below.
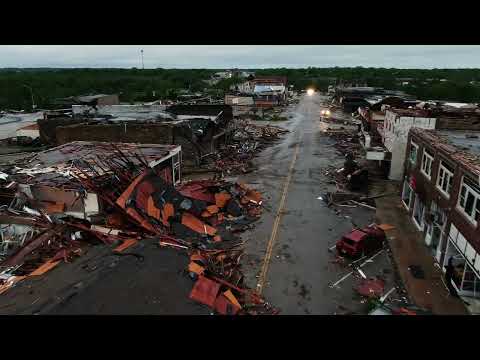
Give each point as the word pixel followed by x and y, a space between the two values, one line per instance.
pixel 398 122
pixel 441 191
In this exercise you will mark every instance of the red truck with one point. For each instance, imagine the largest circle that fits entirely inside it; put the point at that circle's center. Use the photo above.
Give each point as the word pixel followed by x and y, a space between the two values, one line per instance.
pixel 360 242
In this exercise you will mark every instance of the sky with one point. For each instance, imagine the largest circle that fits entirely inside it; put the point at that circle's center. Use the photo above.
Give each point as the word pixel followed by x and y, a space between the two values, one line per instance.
pixel 240 56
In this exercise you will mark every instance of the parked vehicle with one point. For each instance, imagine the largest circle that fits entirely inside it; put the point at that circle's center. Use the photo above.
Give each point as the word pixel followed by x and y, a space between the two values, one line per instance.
pixel 360 242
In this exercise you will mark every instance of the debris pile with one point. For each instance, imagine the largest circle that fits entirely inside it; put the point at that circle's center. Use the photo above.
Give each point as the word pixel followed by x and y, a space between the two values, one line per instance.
pixel 247 140
pixel 346 141
pixel 136 202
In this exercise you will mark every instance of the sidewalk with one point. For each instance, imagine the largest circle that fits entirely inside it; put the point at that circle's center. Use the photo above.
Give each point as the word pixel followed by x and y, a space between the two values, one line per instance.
pixel 408 249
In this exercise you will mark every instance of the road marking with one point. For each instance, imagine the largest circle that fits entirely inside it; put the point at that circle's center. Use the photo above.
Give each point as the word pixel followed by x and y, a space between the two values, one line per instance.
pixel 384 297
pixel 351 272
pixel 276 224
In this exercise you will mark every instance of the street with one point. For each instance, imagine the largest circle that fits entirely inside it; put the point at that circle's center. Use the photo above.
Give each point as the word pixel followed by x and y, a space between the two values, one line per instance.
pixel 289 247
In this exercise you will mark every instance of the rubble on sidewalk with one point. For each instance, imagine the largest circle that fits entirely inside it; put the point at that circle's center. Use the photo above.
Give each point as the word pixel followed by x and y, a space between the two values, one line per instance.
pixel 371 288
pixel 81 194
pixel 346 141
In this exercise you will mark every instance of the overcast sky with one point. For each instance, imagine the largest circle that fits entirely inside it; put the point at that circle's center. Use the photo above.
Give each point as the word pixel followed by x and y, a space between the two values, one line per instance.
pixel 241 56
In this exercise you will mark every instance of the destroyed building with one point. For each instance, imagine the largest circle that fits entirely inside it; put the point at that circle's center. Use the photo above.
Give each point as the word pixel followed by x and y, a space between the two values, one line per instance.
pixel 51 182
pixel 351 98
pixel 45 178
pixel 244 88
pixel 390 151
pixel 441 192
pixel 91 100
pixel 199 129
pixel 269 91
pixel 60 202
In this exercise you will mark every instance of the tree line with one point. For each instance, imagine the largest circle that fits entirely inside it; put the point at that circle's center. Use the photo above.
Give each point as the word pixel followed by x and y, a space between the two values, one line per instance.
pixel 152 84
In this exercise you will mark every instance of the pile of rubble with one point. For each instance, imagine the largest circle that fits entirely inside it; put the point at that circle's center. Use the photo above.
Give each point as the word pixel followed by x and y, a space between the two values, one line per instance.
pixel 248 139
pixel 138 202
pixel 352 176
pixel 346 141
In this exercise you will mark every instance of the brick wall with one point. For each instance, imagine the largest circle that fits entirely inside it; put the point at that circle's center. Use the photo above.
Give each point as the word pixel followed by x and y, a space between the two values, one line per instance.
pixel 47 127
pixel 428 192
pixel 138 133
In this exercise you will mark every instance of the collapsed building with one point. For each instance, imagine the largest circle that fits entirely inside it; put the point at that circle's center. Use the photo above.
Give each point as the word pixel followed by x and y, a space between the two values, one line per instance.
pixel 199 129
pixel 49 183
pixel 90 100
pixel 61 201
pixel 351 98
pixel 46 179
pixel 269 91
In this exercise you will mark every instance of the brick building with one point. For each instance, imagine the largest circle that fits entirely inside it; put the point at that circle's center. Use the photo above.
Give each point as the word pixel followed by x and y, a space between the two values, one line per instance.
pixel 395 130
pixel 198 129
pixel 441 191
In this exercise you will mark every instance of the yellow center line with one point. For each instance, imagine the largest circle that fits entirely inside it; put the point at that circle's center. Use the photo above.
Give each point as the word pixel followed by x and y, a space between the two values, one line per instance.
pixel 278 216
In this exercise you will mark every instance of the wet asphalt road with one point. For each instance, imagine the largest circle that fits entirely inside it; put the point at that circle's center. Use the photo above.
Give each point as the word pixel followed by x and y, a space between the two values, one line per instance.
pixel 301 267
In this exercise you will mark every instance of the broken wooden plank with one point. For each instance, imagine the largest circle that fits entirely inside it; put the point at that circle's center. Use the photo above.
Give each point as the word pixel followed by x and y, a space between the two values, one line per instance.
pixel 364 205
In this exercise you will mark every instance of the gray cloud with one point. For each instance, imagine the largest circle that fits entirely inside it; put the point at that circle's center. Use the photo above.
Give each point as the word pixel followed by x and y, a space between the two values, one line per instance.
pixel 241 56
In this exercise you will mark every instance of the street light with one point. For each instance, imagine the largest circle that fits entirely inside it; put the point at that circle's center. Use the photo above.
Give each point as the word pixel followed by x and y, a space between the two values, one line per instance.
pixel 31 93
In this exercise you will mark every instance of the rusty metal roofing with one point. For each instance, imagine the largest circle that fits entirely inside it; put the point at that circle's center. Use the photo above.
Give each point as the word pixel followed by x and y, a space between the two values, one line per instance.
pixel 89 149
pixel 60 165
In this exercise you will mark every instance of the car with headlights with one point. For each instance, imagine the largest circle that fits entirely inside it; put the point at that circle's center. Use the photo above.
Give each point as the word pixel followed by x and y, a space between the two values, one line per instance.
pixel 325 114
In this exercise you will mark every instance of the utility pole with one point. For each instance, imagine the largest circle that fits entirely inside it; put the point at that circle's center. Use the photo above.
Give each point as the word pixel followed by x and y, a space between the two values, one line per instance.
pixel 31 93
pixel 143 66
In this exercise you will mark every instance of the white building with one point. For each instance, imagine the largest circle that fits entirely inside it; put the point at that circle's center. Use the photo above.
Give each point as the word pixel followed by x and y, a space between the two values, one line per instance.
pixel 396 125
pixel 246 87
pixel 223 74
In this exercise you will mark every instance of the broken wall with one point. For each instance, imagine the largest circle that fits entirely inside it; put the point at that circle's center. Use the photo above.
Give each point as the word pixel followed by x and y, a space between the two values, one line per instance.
pixel 472 123
pixel 205 110
pixel 137 132
pixel 108 100
pixel 47 127
pixel 397 160
pixel 117 109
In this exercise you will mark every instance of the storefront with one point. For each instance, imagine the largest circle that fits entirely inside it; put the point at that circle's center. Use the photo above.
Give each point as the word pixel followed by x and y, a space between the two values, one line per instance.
pixel 466 261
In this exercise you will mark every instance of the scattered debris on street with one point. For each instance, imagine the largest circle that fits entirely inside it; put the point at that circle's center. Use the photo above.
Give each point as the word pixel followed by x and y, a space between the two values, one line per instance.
pixel 248 139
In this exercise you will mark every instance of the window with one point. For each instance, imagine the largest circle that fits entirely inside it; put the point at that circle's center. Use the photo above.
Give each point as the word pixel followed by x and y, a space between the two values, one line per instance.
pixel 427 161
pixel 469 200
pixel 445 179
pixel 413 153
pixel 407 194
pixel 418 213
